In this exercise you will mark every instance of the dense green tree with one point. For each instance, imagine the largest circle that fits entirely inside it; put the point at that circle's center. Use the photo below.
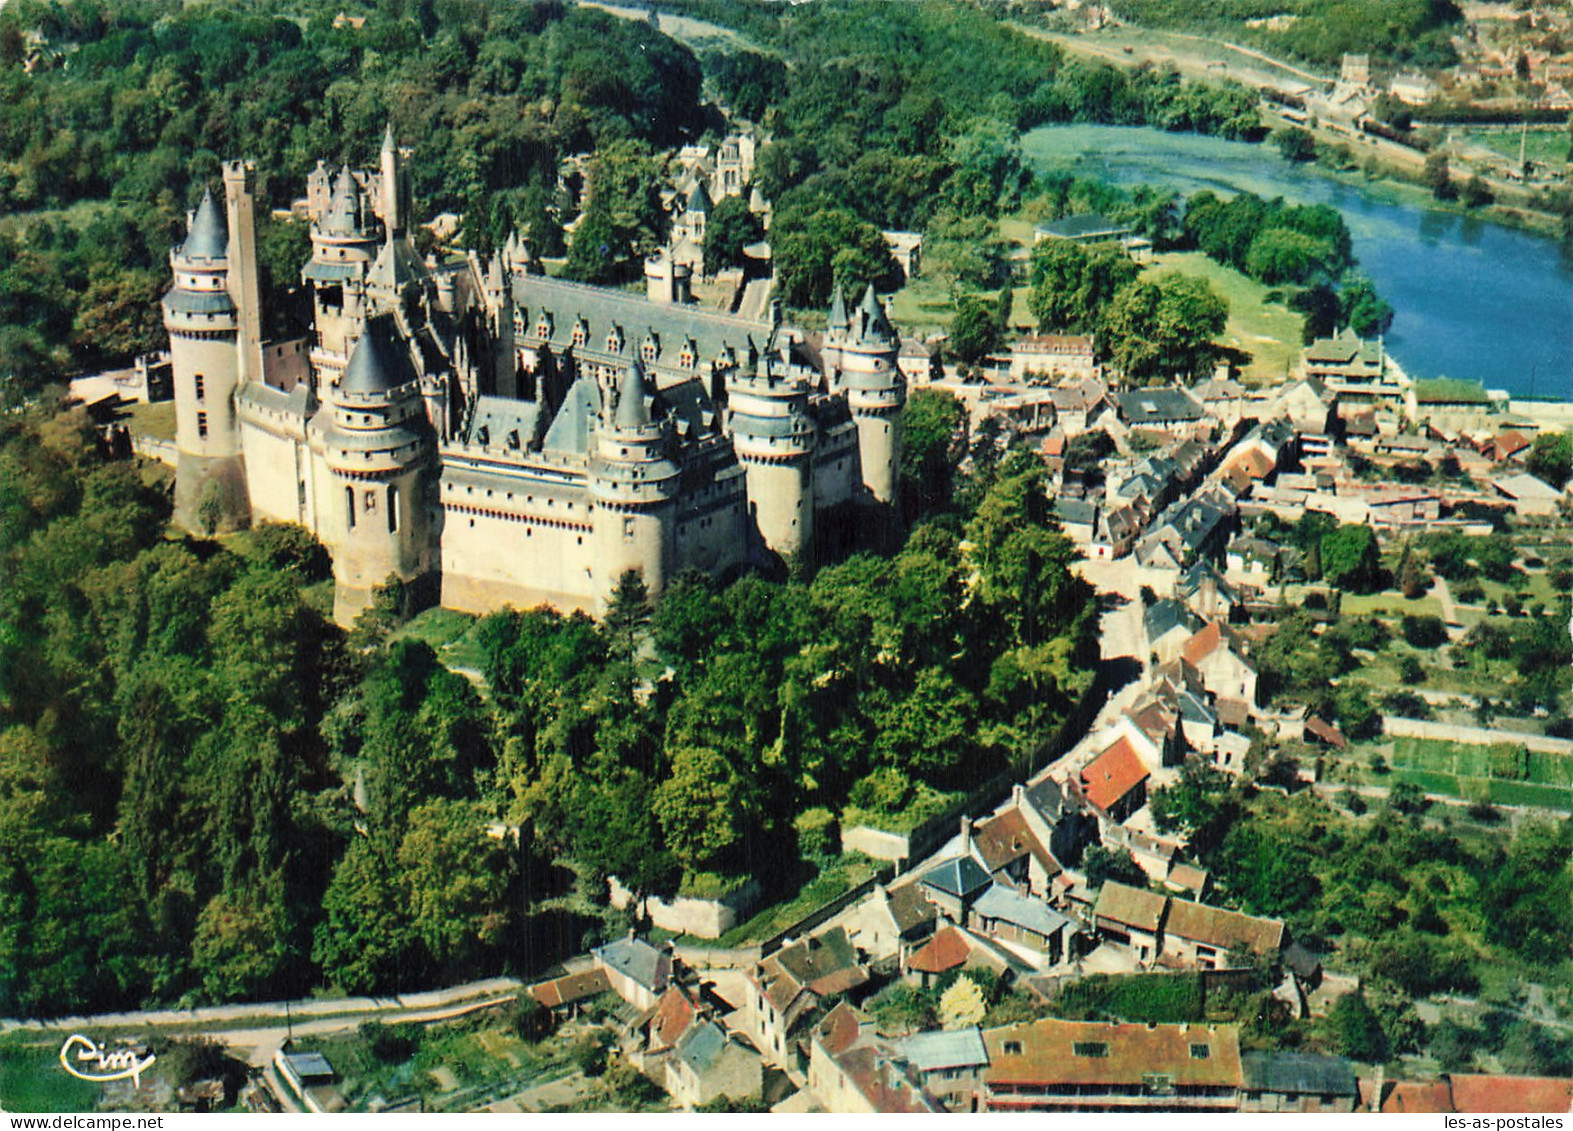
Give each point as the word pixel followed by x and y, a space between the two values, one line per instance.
pixel 360 946
pixel 934 432
pixel 1351 558
pixel 1551 457
pixel 1073 285
pixel 816 251
pixel 1163 327
pixel 729 229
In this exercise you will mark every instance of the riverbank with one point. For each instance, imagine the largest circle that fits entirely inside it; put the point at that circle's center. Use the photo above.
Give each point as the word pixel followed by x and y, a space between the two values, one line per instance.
pixel 1202 59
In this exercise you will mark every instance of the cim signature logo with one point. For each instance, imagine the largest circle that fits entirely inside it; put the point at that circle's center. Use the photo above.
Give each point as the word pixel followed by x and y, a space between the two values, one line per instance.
pixel 102 1063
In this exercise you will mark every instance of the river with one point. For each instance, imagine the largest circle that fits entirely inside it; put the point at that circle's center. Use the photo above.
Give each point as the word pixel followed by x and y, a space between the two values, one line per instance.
pixel 1475 300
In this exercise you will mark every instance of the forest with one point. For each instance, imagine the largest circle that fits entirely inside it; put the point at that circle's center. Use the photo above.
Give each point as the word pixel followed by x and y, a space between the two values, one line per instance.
pixel 209 792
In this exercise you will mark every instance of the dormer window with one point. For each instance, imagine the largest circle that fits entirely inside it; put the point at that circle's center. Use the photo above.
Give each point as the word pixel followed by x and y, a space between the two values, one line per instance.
pixel 581 332
pixel 689 355
pixel 650 349
pixel 543 325
pixel 614 340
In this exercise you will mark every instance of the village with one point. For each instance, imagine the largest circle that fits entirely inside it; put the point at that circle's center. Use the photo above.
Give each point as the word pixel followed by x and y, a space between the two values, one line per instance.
pixel 1184 502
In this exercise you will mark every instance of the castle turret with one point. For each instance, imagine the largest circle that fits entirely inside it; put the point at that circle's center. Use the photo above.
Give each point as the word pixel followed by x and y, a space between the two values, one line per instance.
pixel 376 449
pixel 634 484
pixel 876 392
pixel 774 436
pixel 203 323
pixel 343 247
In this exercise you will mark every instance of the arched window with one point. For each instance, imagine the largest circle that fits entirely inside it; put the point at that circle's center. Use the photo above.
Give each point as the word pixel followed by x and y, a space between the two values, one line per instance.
pixel 349 504
pixel 393 510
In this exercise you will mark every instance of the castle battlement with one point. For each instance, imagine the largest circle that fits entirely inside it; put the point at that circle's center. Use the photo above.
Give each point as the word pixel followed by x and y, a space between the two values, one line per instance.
pixel 500 437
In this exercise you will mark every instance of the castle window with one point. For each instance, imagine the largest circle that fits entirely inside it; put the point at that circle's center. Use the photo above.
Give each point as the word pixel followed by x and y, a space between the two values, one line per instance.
pixel 349 502
pixel 201 388
pixel 202 425
pixel 371 501
pixel 628 529
pixel 614 340
pixel 393 510
pixel 580 332
pixel 649 350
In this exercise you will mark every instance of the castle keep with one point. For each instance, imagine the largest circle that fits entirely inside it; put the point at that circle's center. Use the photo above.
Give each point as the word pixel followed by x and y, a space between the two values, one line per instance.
pixel 494 436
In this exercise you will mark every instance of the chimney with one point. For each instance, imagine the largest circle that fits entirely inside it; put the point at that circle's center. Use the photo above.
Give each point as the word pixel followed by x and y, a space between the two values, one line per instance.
pixel 966 833
pixel 1016 793
pixel 1377 1085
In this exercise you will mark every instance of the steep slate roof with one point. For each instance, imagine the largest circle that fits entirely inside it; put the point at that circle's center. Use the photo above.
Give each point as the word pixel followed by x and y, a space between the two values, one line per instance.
pixel 947 950
pixel 1226 930
pixel 910 908
pixel 701 1046
pixel 1163 617
pixel 633 958
pixel 1003 903
pixel 1158 406
pixel 1083 227
pixel 503 422
pixel 379 363
pixel 209 234
pixel 572 988
pixel 1298 1073
pixel 1134 907
pixel 941 1049
pixel 569 433
pixel 1192 1055
pixel 961 877
pixel 1113 774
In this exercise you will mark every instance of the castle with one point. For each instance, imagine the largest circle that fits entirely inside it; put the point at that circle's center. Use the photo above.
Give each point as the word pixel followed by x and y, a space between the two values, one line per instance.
pixel 493 436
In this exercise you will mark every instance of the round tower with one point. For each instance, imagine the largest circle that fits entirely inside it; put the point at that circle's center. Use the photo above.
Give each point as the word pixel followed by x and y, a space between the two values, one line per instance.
pixel 203 324
pixel 375 446
pixel 633 485
pixel 343 247
pixel 876 392
pixel 774 437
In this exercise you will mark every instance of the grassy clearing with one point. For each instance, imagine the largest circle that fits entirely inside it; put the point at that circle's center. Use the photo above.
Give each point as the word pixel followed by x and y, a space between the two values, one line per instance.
pixel 450 633
pixel 153 420
pixel 1547 146
pixel 1463 770
pixel 1267 330
pixel 1388 604
pixel 834 878
pixel 31 1079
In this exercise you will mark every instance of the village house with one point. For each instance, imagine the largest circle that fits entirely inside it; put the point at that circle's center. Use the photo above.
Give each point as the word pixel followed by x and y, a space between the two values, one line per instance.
pixel 564 995
pixel 891 921
pixel 1170 410
pixel 851 1071
pixel 1054 356
pixel 1530 497
pixel 1168 624
pixel 1196 936
pixel 707 1064
pixel 786 990
pixel 1079 404
pixel 953 885
pixel 1468 1095
pixel 1132 918
pixel 1297 1082
pixel 636 971
pixel 1218 658
pixel 1093 1066
pixel 1004 914
pixel 1013 852
pixel 1203 590
pixel 919 362
pixel 1115 782
pixel 948 1063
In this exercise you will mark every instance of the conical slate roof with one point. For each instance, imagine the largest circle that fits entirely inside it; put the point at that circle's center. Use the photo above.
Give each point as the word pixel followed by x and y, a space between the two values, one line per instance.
pixel 632 411
pixel 379 362
pixel 343 218
pixel 209 234
pixel 699 199
pixel 875 324
pixel 838 310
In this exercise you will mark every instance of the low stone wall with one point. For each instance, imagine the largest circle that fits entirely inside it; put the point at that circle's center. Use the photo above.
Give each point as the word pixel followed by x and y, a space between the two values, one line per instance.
pixel 875 843
pixel 1475 736
pixel 702 918
pixel 719 958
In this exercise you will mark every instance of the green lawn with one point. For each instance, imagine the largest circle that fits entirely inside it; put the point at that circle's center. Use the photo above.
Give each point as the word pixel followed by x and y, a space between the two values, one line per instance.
pixel 31 1079
pixel 1463 770
pixel 1525 793
pixel 1547 145
pixel 154 420
pixel 836 877
pixel 1267 330
pixel 1388 604
pixel 451 635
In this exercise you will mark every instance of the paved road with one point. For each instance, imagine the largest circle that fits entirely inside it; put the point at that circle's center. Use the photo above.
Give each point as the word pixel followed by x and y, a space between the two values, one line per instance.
pixel 350 1010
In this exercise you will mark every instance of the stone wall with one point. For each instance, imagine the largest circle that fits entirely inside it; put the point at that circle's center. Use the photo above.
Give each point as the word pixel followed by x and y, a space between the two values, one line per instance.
pixel 702 918
pixel 875 842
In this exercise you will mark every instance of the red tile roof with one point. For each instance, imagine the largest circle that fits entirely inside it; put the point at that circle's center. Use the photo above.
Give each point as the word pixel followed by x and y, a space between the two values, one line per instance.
pixel 1326 732
pixel 945 951
pixel 1060 1053
pixel 1203 644
pixel 1480 1094
pixel 1113 774
pixel 1007 838
pixel 574 987
pixel 673 1014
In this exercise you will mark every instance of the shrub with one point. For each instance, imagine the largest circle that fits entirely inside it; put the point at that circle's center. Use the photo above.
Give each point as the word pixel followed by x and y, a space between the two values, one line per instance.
pixel 816 833
pixel 1424 632
pixel 391 1044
